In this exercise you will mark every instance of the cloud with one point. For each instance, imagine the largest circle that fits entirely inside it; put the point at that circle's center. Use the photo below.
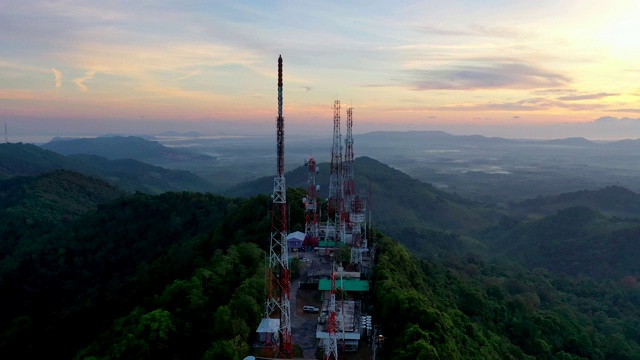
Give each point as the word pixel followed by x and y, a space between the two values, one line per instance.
pixel 472 30
pixel 492 76
pixel 586 97
pixel 554 91
pixel 432 30
pixel 17 94
pixel 80 81
pixel 58 76
pixel 306 88
pixel 515 117
pixel 626 110
pixel 615 120
pixel 532 104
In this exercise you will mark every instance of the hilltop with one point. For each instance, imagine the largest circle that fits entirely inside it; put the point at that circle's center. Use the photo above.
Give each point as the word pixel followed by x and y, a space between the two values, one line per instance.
pixel 31 205
pixel 28 159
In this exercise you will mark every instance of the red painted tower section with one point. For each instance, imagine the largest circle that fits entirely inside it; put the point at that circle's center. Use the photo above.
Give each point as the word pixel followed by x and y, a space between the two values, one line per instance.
pixel 311 206
pixel 331 344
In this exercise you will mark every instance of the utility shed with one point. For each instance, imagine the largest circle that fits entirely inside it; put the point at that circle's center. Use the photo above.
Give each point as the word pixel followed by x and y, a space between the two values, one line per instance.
pixel 267 331
pixel 295 239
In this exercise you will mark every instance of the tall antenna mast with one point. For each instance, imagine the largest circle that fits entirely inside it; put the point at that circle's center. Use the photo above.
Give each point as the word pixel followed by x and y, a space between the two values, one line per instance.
pixel 278 282
pixel 334 217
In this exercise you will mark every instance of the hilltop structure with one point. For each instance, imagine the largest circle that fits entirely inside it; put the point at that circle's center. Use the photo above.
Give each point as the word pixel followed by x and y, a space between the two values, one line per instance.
pixel 278 275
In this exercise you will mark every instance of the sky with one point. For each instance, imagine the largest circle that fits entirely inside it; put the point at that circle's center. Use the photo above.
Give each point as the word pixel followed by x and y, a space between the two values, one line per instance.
pixel 517 69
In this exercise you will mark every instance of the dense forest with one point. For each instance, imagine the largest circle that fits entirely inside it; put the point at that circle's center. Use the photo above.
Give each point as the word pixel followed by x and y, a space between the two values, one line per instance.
pixel 468 308
pixel 142 276
pixel 88 271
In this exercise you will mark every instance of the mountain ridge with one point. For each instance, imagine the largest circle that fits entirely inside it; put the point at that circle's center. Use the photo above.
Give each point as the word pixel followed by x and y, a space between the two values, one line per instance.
pixel 30 160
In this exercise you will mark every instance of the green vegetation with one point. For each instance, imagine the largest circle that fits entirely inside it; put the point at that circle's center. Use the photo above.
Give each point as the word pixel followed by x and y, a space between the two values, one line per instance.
pixel 31 206
pixel 88 271
pixel 27 160
pixel 611 201
pixel 178 275
pixel 469 309
pixel 402 207
pixel 133 175
pixel 576 240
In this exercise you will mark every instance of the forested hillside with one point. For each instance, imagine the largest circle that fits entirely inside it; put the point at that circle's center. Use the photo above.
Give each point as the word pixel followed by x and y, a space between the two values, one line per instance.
pixel 470 309
pixel 415 213
pixel 611 200
pixel 576 241
pixel 90 272
pixel 133 175
pixel 33 205
pixel 27 159
pixel 158 268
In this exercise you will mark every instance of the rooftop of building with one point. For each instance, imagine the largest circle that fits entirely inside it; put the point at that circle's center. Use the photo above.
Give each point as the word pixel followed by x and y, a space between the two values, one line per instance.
pixel 346 285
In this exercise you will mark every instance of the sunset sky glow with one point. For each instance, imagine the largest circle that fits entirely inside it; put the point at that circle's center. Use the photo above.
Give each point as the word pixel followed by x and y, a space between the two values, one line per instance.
pixel 506 68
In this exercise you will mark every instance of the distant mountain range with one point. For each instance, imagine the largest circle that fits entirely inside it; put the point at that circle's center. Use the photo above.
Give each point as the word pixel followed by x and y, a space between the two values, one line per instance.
pixel 120 147
pixel 130 175
pixel 434 137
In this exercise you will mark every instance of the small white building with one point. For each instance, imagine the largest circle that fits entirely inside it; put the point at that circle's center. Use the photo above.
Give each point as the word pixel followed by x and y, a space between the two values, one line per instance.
pixel 295 239
pixel 268 331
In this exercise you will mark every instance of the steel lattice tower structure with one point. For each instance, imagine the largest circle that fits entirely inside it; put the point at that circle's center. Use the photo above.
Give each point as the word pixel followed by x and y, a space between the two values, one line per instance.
pixel 331 345
pixel 353 204
pixel 278 282
pixel 349 183
pixel 334 217
pixel 311 206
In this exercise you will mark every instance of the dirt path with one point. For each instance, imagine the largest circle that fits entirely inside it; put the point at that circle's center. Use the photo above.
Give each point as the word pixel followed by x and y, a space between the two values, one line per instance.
pixel 303 325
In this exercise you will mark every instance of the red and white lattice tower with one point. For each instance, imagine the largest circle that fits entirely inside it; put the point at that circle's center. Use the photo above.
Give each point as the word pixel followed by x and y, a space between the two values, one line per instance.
pixel 353 204
pixel 311 206
pixel 331 345
pixel 349 183
pixel 334 217
pixel 278 282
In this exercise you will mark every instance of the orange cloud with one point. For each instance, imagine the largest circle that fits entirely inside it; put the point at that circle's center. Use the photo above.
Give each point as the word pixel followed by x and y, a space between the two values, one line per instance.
pixel 58 76
pixel 80 81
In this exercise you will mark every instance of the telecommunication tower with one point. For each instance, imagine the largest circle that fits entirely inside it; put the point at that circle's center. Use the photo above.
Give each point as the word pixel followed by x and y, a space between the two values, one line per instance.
pixel 349 183
pixel 278 278
pixel 353 204
pixel 331 345
pixel 311 206
pixel 334 211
